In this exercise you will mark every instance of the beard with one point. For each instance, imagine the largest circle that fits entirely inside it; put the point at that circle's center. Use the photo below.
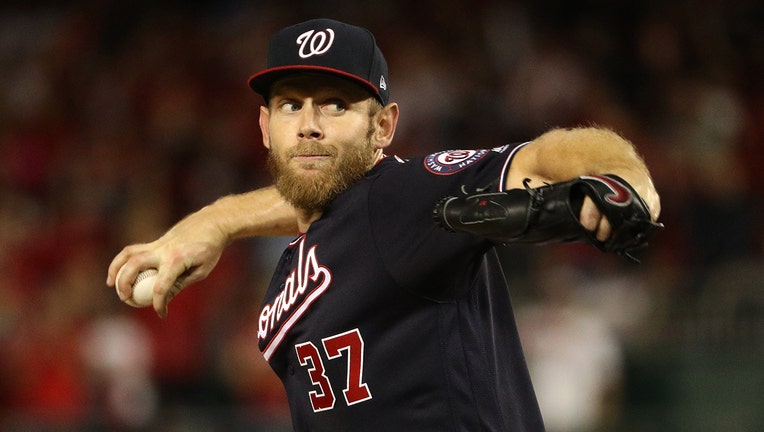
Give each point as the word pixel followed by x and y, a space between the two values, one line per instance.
pixel 316 190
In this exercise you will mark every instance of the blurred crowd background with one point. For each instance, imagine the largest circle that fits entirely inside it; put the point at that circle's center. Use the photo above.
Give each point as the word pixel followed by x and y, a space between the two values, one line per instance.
pixel 119 118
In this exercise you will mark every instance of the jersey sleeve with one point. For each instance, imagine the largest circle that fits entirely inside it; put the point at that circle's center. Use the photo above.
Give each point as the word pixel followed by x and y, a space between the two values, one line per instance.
pixel 416 252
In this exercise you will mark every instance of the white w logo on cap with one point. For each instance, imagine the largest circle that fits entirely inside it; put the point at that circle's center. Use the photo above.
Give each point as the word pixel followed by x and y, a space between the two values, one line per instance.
pixel 316 43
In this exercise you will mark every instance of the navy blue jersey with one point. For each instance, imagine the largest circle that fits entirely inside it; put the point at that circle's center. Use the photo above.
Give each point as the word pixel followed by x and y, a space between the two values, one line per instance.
pixel 377 320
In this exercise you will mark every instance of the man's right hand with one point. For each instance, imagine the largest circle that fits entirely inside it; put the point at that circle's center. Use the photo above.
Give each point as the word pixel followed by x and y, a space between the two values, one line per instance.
pixel 189 251
pixel 185 254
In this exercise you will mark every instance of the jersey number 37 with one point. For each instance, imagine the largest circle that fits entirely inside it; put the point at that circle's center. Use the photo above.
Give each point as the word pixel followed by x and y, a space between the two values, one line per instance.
pixel 348 345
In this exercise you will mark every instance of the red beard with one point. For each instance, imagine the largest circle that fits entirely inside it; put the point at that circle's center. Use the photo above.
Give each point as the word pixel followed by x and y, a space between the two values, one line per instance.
pixel 316 189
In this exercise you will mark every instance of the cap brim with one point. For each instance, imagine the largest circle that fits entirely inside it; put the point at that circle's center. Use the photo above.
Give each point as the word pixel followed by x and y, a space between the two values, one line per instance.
pixel 262 81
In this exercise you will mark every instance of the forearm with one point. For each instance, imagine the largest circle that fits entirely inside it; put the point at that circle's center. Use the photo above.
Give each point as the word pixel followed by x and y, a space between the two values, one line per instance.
pixel 189 250
pixel 563 154
pixel 262 212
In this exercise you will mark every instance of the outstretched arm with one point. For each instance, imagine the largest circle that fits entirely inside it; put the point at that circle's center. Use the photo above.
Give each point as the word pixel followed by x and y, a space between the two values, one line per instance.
pixel 190 250
pixel 563 154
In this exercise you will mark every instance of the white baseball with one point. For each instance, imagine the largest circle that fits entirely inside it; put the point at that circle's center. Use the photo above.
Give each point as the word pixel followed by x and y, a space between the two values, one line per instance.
pixel 143 288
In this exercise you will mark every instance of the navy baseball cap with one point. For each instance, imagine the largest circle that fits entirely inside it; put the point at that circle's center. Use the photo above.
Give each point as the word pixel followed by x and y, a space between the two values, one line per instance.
pixel 325 45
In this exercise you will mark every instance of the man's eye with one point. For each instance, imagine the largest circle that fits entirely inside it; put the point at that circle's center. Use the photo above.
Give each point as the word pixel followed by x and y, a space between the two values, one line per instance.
pixel 335 106
pixel 290 107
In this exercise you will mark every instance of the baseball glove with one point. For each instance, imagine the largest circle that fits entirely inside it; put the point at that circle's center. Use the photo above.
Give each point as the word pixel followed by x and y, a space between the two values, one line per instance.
pixel 551 214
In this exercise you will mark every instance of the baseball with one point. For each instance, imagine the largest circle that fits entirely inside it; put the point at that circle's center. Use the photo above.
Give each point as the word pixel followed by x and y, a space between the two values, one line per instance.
pixel 143 288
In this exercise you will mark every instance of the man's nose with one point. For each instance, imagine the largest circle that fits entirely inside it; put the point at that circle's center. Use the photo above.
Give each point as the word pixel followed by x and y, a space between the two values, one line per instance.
pixel 310 123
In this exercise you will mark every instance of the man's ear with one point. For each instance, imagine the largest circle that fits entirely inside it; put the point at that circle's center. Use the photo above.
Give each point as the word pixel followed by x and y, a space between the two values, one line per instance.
pixel 265 116
pixel 386 121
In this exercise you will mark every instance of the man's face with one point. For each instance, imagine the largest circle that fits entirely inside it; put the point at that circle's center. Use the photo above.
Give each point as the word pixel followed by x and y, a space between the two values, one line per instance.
pixel 318 130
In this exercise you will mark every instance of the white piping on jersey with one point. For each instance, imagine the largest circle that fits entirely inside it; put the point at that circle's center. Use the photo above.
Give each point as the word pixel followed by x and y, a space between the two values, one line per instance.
pixel 505 169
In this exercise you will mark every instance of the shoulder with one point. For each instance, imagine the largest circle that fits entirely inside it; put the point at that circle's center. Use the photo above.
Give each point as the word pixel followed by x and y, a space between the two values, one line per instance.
pixel 447 162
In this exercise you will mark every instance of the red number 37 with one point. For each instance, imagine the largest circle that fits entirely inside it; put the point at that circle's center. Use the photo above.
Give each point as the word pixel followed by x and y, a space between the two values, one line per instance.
pixel 348 344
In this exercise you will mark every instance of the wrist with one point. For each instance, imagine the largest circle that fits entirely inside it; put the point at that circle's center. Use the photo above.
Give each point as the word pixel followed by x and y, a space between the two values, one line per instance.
pixel 224 218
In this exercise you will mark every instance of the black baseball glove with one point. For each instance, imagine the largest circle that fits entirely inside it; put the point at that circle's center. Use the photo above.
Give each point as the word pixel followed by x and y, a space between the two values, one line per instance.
pixel 551 214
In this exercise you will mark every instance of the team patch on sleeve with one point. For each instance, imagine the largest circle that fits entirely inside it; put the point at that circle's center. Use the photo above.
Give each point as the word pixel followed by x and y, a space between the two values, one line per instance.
pixel 452 161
